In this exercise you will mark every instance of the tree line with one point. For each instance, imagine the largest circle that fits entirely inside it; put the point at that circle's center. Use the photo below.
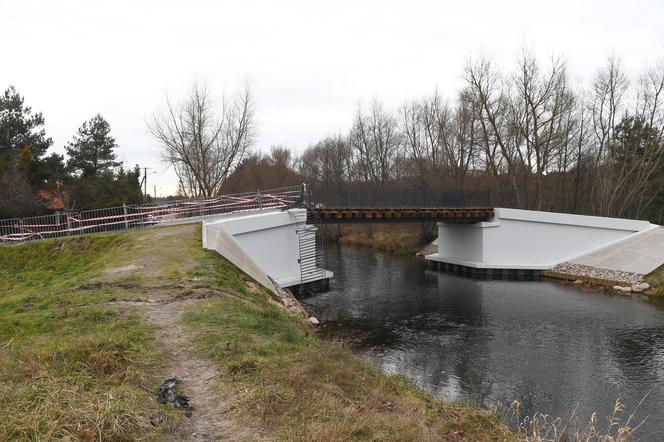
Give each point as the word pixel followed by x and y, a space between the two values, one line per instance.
pixel 33 182
pixel 526 134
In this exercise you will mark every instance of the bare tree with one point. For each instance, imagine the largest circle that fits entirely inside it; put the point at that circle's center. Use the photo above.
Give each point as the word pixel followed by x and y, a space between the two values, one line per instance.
pixel 490 97
pixel 423 124
pixel 202 143
pixel 540 109
pixel 17 199
pixel 282 162
pixel 627 124
pixel 374 140
pixel 328 161
pixel 610 88
pixel 422 153
pixel 439 140
pixel 574 162
pixel 650 106
pixel 460 141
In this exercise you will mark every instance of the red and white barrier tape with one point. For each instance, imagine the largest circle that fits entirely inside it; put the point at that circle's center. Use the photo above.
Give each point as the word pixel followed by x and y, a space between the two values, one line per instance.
pixel 76 224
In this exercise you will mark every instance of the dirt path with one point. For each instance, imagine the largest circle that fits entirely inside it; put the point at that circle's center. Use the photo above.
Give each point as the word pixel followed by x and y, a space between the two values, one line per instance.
pixel 208 421
pixel 161 296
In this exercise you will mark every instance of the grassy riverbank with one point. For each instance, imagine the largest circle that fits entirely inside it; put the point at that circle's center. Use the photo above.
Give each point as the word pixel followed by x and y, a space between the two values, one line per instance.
pixel 90 326
pixel 656 280
pixel 401 239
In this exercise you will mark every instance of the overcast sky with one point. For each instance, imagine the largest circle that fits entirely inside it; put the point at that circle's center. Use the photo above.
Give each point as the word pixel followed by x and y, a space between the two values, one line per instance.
pixel 311 63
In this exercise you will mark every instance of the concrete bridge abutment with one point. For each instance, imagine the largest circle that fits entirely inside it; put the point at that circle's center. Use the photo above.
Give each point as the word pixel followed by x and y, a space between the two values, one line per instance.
pixel 266 245
pixel 518 244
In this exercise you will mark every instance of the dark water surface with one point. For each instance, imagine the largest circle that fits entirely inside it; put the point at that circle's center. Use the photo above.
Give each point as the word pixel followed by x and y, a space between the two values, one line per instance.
pixel 551 347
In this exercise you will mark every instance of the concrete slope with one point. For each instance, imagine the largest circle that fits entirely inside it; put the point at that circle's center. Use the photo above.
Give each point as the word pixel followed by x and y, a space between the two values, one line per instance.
pixel 223 243
pixel 640 253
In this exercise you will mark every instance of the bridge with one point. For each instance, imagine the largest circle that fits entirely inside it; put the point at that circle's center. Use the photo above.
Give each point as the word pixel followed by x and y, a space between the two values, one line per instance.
pixel 475 241
pixel 274 235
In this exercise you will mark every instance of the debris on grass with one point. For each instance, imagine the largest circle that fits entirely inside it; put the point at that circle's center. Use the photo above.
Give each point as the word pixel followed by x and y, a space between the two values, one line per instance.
pixel 168 394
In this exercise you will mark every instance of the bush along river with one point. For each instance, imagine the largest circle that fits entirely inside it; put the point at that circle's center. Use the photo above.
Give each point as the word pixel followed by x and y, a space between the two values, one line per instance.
pixel 551 347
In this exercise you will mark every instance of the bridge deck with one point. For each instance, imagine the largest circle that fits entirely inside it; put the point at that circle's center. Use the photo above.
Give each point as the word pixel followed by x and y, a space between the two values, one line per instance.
pixel 369 215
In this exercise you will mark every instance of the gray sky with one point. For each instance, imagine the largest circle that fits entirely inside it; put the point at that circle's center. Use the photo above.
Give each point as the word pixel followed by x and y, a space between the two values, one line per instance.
pixel 310 62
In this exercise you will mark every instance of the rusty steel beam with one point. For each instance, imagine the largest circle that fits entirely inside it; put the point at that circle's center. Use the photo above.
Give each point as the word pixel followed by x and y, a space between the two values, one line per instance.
pixel 377 215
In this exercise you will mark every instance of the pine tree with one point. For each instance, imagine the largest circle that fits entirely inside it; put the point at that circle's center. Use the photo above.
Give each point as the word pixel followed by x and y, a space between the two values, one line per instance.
pixel 19 128
pixel 91 152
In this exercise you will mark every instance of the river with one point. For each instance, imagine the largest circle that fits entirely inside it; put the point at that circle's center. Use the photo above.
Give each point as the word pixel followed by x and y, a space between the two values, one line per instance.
pixel 551 347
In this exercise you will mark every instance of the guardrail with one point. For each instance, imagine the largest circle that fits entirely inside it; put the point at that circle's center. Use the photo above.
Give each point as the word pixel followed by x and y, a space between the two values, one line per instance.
pixel 128 217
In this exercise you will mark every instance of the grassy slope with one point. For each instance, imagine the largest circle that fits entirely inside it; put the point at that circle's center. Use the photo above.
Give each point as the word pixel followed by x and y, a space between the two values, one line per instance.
pixel 72 364
pixel 69 365
pixel 656 279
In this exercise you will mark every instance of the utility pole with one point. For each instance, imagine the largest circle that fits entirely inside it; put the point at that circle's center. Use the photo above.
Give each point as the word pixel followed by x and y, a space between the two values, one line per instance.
pixel 144 181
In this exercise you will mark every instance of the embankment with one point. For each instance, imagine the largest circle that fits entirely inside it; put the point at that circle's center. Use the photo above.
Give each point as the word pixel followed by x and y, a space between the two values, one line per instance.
pixel 90 326
pixel 656 281
pixel 402 239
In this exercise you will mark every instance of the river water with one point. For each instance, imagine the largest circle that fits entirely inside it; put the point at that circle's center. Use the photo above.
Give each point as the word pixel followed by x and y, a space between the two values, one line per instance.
pixel 551 347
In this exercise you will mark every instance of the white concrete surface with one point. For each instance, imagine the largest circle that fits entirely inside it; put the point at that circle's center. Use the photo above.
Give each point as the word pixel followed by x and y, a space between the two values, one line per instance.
pixel 222 242
pixel 265 241
pixel 524 239
pixel 639 253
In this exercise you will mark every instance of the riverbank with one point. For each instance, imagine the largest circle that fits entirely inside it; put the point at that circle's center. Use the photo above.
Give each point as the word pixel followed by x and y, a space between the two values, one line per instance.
pixel 656 280
pixel 90 326
pixel 650 286
pixel 401 239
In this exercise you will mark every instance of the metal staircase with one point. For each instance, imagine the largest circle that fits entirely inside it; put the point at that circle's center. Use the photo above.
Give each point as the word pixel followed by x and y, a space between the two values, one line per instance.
pixel 312 266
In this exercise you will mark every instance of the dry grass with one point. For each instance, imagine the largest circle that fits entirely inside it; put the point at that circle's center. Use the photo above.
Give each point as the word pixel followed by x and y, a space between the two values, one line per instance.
pixel 544 428
pixel 656 280
pixel 404 239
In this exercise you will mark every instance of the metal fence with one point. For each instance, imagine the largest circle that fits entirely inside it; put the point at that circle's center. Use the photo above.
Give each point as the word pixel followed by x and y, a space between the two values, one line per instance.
pixel 136 216
pixel 396 195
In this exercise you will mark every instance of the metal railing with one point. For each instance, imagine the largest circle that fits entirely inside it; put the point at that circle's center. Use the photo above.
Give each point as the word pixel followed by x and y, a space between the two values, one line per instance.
pixel 396 195
pixel 127 217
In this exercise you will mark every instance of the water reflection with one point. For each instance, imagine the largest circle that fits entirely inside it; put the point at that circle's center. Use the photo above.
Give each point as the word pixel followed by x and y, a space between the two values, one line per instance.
pixel 548 346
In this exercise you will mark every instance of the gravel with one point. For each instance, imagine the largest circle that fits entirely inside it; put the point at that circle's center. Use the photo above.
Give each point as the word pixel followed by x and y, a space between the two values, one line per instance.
pixel 598 272
pixel 429 249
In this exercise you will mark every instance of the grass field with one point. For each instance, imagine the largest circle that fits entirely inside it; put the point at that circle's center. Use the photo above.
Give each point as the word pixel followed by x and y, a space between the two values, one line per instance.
pixel 89 327
pixel 71 366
